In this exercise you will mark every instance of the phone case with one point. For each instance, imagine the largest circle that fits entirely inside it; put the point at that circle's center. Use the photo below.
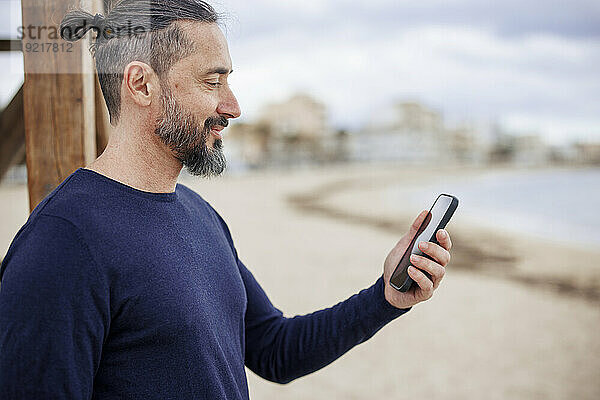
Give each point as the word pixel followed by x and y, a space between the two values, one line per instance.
pixel 408 283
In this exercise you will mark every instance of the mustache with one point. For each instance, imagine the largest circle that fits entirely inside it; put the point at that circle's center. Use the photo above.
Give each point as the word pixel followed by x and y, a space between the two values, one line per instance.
pixel 211 122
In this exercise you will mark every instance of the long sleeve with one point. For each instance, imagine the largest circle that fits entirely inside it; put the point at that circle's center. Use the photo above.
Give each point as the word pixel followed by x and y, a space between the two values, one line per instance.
pixel 54 314
pixel 282 349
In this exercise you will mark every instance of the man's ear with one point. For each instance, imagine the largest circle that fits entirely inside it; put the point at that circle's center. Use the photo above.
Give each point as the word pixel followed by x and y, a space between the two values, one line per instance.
pixel 141 83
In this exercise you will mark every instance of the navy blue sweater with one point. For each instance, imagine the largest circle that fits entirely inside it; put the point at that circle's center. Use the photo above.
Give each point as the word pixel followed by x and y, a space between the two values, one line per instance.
pixel 109 292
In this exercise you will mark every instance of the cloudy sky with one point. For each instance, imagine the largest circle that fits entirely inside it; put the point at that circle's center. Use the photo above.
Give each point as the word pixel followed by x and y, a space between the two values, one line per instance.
pixel 532 66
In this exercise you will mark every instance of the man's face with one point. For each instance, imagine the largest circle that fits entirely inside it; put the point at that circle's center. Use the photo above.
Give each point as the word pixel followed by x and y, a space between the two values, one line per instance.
pixel 197 102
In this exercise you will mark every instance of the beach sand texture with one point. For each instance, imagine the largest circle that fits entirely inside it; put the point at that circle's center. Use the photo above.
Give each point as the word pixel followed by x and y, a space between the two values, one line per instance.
pixel 516 318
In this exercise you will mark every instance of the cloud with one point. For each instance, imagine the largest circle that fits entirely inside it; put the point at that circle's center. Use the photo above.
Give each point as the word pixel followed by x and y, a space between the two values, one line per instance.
pixel 575 18
pixel 531 64
pixel 468 73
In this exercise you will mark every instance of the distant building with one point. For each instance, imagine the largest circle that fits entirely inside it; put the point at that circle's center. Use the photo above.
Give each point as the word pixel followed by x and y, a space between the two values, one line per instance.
pixel 295 131
pixel 563 154
pixel 301 117
pixel 522 150
pixel 473 143
pixel 465 145
pixel 248 145
pixel 530 150
pixel 588 153
pixel 407 132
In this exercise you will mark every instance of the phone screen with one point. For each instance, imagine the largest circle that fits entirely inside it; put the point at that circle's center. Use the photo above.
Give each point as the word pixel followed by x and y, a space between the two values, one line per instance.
pixel 425 233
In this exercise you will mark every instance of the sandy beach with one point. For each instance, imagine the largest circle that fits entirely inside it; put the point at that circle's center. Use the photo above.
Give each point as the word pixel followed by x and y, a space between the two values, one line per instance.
pixel 515 318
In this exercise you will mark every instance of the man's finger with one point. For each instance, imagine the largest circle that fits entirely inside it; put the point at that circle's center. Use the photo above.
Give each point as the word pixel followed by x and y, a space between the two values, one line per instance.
pixel 417 222
pixel 443 238
pixel 434 269
pixel 437 252
pixel 424 283
pixel 412 231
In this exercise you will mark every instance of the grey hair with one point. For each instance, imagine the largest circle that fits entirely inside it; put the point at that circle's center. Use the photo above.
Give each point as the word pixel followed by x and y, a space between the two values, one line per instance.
pixel 186 137
pixel 136 30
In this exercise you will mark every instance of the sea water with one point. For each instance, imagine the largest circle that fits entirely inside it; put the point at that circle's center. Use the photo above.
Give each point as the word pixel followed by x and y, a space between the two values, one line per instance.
pixel 562 204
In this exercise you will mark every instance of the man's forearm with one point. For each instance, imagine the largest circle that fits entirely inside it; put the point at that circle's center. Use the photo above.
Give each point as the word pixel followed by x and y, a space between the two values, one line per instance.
pixel 293 347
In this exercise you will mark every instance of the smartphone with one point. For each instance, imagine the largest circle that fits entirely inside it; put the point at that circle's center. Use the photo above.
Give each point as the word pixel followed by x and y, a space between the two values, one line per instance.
pixel 442 210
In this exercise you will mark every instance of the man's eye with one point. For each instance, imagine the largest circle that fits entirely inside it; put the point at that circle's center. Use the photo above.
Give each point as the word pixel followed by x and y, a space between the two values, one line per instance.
pixel 213 84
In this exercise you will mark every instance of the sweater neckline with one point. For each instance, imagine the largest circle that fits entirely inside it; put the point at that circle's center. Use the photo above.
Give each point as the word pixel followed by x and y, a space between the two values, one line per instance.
pixel 164 197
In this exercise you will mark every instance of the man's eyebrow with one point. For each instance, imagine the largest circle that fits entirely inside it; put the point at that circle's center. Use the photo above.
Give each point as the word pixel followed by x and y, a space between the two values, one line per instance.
pixel 219 70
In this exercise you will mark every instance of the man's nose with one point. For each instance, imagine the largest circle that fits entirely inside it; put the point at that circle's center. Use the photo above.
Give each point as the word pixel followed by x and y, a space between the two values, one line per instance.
pixel 228 105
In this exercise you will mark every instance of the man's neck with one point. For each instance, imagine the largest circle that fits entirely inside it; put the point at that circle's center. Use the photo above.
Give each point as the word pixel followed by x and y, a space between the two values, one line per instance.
pixel 143 165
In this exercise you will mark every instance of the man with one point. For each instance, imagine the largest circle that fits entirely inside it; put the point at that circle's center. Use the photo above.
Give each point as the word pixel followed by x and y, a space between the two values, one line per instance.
pixel 124 284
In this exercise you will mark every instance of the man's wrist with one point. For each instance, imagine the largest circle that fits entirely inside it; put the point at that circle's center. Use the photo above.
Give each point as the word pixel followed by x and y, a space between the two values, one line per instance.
pixel 385 303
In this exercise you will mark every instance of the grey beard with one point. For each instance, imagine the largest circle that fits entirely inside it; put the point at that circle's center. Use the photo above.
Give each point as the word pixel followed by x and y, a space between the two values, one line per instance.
pixel 181 132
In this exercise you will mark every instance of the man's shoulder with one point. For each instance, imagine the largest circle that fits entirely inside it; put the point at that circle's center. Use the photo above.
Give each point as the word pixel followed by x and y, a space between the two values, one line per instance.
pixel 44 230
pixel 70 200
pixel 191 198
pixel 187 194
pixel 58 221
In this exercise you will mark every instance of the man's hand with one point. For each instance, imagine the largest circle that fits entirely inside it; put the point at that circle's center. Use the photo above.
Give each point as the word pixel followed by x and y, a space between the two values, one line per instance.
pixel 437 269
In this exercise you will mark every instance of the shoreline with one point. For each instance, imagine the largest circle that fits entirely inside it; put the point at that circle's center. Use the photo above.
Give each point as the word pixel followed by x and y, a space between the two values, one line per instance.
pixel 504 254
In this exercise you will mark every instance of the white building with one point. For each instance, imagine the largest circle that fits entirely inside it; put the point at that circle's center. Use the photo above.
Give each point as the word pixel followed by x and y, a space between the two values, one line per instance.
pixel 407 132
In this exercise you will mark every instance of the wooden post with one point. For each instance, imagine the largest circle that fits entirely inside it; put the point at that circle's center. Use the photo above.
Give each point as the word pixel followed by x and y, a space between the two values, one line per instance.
pixel 59 97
